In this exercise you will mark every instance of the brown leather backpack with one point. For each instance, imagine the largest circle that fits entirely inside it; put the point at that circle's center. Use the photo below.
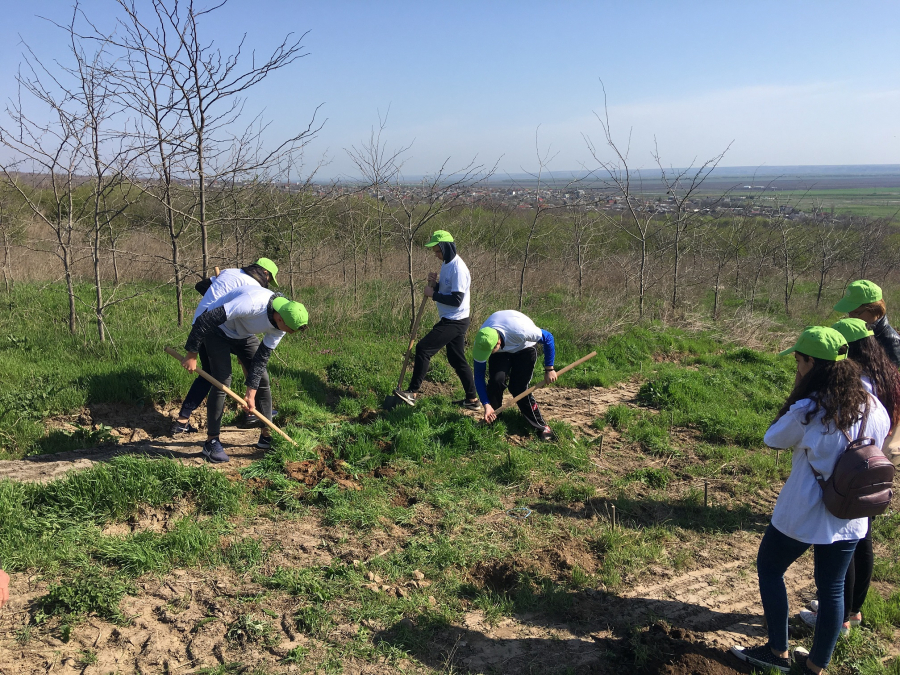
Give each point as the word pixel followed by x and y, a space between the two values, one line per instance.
pixel 862 480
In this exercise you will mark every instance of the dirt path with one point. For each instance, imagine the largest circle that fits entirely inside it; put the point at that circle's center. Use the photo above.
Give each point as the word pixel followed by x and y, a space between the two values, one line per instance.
pixel 181 622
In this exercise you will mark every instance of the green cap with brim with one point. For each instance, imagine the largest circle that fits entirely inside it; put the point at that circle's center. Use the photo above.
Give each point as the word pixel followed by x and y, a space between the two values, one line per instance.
pixel 820 342
pixel 853 329
pixel 292 313
pixel 269 267
pixel 858 293
pixel 485 341
pixel 438 237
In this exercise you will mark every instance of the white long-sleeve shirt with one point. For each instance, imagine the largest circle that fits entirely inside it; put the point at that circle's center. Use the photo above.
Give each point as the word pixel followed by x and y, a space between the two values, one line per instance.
pixel 224 283
pixel 800 512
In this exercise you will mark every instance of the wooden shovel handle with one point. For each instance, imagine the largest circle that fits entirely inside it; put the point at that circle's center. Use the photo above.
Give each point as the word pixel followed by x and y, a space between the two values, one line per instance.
pixel 544 384
pixel 218 385
pixel 412 340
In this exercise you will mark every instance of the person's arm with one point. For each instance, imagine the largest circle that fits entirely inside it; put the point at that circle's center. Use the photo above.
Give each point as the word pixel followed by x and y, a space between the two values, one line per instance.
pixel 549 356
pixel 452 299
pixel 787 430
pixel 204 324
pixel 254 374
pixel 4 588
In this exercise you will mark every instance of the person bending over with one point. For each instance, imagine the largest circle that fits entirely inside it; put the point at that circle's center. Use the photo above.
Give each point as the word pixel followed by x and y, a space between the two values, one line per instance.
pixel 230 326
pixel 506 347
pixel 261 273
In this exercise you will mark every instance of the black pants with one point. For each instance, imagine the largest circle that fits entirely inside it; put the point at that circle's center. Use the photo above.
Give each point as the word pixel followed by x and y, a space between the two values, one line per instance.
pixel 514 370
pixel 859 575
pixel 448 333
pixel 219 348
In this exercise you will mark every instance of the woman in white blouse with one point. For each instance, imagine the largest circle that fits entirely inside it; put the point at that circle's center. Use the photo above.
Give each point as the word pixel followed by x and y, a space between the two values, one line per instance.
pixel 828 399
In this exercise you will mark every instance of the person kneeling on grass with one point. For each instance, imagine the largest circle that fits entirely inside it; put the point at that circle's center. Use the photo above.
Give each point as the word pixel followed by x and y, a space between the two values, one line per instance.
pixel 451 292
pixel 506 345
pixel 828 404
pixel 259 274
pixel 229 326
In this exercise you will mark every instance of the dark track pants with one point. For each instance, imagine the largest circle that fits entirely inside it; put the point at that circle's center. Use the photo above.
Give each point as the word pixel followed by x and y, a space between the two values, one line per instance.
pixel 451 334
pixel 514 370
pixel 199 388
pixel 219 349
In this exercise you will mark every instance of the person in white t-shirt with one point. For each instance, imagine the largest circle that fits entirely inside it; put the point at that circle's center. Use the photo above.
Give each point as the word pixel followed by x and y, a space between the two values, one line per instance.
pixel 450 291
pixel 506 346
pixel 261 273
pixel 229 326
pixel 829 400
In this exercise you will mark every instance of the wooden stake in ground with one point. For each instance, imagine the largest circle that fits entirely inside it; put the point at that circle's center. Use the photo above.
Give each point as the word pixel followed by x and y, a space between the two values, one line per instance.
pixel 218 385
pixel 544 383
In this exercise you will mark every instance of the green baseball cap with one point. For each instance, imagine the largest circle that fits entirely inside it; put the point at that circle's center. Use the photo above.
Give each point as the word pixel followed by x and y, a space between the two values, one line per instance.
pixel 820 342
pixel 858 293
pixel 485 341
pixel 853 329
pixel 292 313
pixel 438 237
pixel 269 267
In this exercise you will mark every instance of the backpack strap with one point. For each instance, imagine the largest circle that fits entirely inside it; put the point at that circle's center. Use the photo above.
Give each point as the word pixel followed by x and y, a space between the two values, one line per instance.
pixel 862 430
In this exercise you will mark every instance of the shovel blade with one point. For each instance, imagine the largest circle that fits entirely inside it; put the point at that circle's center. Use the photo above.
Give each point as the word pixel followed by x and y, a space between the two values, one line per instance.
pixel 390 402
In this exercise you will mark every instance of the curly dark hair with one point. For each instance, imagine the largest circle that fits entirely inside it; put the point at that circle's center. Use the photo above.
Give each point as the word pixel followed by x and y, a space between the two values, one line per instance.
pixel 875 364
pixel 833 386
pixel 257 272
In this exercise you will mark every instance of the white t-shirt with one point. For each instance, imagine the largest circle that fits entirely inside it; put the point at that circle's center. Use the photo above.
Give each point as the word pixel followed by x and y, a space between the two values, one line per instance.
pixel 519 332
pixel 247 311
pixel 226 282
pixel 800 512
pixel 454 278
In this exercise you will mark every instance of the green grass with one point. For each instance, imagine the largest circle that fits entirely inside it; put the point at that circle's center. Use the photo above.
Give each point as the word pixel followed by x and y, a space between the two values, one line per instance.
pixel 436 485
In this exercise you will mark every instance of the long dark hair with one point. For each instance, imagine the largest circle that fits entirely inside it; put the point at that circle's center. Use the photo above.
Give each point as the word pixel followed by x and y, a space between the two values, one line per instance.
pixel 257 272
pixel 834 387
pixel 875 364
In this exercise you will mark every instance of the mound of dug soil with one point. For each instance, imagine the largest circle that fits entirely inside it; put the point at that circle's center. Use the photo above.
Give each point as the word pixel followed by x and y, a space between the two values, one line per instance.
pixel 311 472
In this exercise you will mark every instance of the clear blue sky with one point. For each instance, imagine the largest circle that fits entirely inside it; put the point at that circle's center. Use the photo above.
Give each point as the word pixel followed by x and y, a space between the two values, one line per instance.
pixel 786 83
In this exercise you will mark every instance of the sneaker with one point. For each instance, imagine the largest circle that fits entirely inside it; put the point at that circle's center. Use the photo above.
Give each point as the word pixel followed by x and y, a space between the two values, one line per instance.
pixel 408 397
pixel 809 618
pixel 762 657
pixel 855 619
pixel 814 605
pixel 546 434
pixel 799 656
pixel 264 442
pixel 183 428
pixel 468 405
pixel 214 452
pixel 251 420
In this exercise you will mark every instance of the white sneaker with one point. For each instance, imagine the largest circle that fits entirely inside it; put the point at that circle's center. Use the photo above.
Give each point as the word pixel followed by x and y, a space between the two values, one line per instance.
pixel 809 618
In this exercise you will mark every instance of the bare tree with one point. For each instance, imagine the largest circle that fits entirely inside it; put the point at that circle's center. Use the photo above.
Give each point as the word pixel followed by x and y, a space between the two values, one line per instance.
pixel 682 186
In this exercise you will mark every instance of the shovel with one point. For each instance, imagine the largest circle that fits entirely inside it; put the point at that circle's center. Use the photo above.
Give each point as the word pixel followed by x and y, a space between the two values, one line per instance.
pixel 392 400
pixel 218 385
pixel 543 383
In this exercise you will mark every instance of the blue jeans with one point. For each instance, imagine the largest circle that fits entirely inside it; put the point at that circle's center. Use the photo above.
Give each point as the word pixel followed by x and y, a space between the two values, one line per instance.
pixel 777 552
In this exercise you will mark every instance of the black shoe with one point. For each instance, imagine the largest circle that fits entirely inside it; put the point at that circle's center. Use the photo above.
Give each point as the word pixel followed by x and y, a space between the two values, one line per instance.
pixel 214 452
pixel 264 442
pixel 762 657
pixel 408 397
pixel 183 428
pixel 251 420
pixel 547 434
pixel 468 405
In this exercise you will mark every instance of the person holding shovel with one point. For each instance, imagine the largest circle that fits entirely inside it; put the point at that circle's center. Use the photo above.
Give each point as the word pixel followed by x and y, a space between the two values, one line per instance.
pixel 506 345
pixel 863 300
pixel 229 326
pixel 450 291
pixel 259 274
